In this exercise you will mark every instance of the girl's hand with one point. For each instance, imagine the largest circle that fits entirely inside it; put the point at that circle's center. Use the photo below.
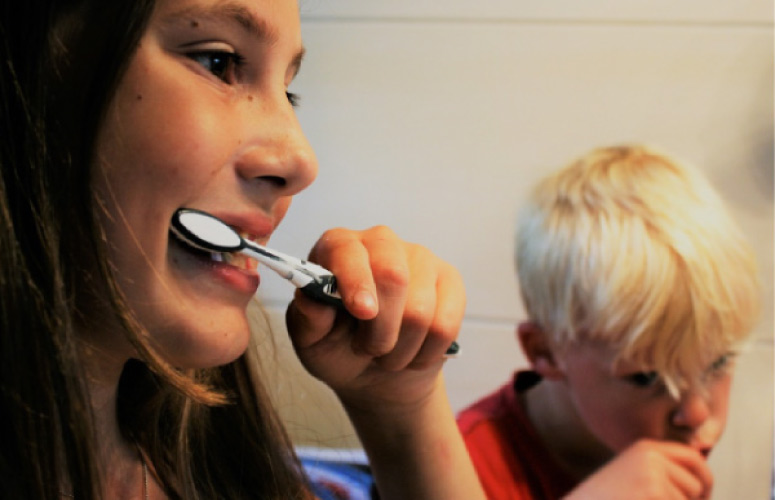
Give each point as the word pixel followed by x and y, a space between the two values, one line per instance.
pixel 403 307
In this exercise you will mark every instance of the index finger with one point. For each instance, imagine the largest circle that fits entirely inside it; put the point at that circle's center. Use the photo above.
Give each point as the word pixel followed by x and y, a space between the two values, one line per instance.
pixel 693 462
pixel 343 253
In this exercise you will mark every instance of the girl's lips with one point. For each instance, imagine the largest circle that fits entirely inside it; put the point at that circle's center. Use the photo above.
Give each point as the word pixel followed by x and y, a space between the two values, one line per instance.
pixel 237 271
pixel 244 280
pixel 241 277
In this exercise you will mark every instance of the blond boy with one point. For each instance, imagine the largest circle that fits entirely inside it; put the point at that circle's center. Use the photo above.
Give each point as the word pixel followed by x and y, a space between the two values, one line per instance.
pixel 639 290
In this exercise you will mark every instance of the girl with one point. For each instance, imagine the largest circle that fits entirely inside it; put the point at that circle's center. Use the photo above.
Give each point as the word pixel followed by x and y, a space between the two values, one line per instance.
pixel 127 370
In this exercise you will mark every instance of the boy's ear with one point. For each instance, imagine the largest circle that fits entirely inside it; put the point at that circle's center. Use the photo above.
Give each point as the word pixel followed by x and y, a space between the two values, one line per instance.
pixel 537 348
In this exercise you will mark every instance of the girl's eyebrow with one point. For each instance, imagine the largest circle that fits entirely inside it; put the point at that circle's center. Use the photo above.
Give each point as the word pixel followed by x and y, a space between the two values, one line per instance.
pixel 232 13
pixel 224 12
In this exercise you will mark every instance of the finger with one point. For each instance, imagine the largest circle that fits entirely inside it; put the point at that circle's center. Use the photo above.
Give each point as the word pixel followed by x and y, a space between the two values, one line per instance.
pixel 695 477
pixel 390 272
pixel 308 321
pixel 447 318
pixel 419 310
pixel 689 472
pixel 343 253
pixel 686 484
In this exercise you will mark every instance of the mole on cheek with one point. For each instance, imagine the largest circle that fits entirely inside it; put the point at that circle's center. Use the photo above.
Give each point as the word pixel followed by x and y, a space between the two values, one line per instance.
pixel 194 24
pixel 139 97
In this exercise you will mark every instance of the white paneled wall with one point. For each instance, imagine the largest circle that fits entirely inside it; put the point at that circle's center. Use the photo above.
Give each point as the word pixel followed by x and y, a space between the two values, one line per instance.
pixel 435 118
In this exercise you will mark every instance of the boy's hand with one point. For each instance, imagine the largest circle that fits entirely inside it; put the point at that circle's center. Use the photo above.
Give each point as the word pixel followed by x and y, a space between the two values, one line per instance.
pixel 650 470
pixel 404 308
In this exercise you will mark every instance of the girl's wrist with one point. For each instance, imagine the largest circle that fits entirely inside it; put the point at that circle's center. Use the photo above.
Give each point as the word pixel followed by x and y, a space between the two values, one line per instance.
pixel 404 409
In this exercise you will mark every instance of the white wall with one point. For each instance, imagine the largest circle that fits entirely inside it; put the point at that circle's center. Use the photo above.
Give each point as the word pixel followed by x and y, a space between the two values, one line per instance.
pixel 436 117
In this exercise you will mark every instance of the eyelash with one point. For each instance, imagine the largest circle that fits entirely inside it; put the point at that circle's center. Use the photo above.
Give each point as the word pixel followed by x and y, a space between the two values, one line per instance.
pixel 233 61
pixel 721 365
pixel 643 379
pixel 209 58
pixel 649 379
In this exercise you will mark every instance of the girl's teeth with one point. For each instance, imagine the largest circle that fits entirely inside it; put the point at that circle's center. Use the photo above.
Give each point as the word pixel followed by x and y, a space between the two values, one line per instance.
pixel 237 260
pixel 233 259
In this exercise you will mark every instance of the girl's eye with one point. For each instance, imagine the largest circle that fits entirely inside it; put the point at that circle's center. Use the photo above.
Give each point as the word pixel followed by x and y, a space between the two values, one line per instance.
pixel 642 379
pixel 222 64
pixel 292 98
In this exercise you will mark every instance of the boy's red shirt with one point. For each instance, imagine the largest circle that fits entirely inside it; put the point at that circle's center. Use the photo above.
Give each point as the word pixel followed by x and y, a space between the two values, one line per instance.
pixel 511 460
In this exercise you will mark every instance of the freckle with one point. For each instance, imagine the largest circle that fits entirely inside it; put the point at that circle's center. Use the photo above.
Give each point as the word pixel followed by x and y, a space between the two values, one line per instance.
pixel 194 24
pixel 250 98
pixel 139 97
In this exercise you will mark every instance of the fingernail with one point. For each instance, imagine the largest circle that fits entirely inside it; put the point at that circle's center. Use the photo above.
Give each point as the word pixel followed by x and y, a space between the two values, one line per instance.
pixel 365 300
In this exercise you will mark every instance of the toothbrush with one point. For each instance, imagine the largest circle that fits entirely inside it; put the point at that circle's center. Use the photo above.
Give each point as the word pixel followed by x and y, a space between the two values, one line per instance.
pixel 206 232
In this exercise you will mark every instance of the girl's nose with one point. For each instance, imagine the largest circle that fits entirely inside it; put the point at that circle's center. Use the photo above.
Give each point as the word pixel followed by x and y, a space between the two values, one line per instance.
pixel 692 411
pixel 276 151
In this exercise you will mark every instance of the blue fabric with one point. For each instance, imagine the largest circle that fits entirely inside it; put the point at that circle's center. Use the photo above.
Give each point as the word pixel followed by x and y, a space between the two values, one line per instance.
pixel 338 481
pixel 335 477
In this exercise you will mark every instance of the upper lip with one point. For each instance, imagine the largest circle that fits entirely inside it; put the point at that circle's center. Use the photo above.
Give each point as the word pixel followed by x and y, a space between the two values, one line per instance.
pixel 257 226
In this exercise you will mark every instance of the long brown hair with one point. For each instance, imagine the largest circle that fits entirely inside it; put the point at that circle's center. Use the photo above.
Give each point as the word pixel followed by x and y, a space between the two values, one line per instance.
pixel 210 434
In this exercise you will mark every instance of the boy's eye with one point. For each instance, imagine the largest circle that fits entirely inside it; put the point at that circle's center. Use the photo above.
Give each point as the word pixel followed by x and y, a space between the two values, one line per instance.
pixel 721 363
pixel 642 379
pixel 220 63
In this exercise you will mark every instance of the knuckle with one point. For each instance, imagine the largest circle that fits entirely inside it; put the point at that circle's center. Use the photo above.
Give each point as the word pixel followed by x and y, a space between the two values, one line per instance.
pixel 390 363
pixel 392 275
pixel 381 232
pixel 423 364
pixel 376 345
pixel 445 327
pixel 377 348
pixel 418 314
pixel 331 238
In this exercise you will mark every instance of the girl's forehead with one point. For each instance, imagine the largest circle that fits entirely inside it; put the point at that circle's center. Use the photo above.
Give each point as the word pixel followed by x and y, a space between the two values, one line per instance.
pixel 268 19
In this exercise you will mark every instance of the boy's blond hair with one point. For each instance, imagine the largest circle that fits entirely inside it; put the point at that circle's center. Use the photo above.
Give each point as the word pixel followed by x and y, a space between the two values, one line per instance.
pixel 626 247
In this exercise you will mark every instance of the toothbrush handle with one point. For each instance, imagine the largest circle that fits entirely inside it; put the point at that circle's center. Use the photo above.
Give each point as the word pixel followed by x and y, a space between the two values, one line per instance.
pixel 453 350
pixel 323 290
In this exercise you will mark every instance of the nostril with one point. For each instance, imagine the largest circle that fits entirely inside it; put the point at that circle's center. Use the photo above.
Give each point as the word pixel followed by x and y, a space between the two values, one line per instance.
pixel 275 179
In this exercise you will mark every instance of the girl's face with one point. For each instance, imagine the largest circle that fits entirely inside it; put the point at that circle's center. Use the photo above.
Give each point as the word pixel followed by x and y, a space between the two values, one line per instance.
pixel 622 405
pixel 203 119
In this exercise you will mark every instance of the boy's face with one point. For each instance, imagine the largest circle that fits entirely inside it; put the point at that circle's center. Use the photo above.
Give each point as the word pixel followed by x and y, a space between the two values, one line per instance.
pixel 622 405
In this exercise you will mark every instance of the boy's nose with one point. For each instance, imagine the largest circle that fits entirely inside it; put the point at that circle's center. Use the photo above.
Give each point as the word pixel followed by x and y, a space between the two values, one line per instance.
pixel 277 151
pixel 692 411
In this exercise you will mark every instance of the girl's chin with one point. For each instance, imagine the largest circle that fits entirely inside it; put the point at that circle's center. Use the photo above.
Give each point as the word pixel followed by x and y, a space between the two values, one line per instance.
pixel 210 348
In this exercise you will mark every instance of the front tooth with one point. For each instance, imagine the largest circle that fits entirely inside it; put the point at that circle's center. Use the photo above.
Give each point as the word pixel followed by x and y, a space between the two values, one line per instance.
pixel 248 236
pixel 218 257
